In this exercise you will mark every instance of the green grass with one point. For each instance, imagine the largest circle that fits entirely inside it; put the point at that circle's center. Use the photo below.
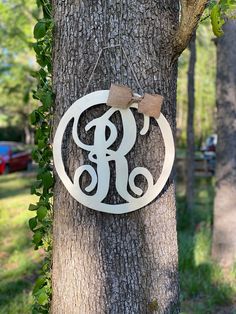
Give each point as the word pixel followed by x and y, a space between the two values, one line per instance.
pixel 205 288
pixel 18 261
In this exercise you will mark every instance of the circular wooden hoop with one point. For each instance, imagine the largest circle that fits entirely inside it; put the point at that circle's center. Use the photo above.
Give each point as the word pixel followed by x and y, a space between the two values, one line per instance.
pixel 96 98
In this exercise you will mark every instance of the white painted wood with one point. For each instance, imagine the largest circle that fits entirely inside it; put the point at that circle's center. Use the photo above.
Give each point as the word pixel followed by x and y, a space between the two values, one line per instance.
pixel 100 154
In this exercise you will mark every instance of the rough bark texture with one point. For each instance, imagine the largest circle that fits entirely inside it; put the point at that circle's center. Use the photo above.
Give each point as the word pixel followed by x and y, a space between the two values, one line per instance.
pixel 224 236
pixel 190 125
pixel 191 12
pixel 106 263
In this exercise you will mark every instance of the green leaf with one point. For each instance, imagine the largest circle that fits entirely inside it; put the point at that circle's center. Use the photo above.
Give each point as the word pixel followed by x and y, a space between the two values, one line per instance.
pixel 39 3
pixel 37 185
pixel 217 21
pixel 41 212
pixel 37 48
pixel 41 144
pixel 227 5
pixel 43 73
pixel 26 96
pixel 32 207
pixel 40 30
pixel 42 60
pixel 36 155
pixel 47 179
pixel 33 117
pixel 47 99
pixel 43 298
pixel 38 134
pixel 49 68
pixel 33 223
pixel 40 282
pixel 37 237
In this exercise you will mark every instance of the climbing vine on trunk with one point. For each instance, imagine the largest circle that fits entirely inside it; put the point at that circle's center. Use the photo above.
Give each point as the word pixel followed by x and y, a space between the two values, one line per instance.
pixel 41 119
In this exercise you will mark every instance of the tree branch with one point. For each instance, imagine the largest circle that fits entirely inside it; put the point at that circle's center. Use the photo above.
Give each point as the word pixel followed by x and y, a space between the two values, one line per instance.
pixel 191 12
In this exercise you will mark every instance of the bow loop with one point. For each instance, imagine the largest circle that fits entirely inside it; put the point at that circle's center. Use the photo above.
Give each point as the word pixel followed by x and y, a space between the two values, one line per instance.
pixel 122 97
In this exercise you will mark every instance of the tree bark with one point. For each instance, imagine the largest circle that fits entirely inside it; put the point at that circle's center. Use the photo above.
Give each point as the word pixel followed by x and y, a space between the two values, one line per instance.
pixel 104 263
pixel 190 126
pixel 224 236
pixel 28 134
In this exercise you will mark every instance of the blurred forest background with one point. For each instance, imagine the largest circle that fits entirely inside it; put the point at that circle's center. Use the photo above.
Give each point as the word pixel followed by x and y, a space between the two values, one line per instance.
pixel 18 65
pixel 206 287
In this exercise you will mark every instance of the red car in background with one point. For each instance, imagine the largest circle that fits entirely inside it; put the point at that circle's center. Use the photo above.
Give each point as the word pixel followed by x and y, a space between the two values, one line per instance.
pixel 13 157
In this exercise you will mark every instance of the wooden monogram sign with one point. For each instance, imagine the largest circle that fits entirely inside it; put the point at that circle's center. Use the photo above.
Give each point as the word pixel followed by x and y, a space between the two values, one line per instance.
pixel 100 154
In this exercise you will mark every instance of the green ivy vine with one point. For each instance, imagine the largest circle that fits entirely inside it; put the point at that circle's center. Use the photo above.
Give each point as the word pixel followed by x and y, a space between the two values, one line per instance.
pixel 220 11
pixel 41 119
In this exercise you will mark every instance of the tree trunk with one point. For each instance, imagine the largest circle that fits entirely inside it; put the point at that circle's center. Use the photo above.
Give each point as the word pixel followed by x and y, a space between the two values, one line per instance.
pixel 224 236
pixel 104 263
pixel 28 134
pixel 190 126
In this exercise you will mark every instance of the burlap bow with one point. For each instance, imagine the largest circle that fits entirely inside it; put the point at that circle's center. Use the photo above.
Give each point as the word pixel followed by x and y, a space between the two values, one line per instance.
pixel 122 97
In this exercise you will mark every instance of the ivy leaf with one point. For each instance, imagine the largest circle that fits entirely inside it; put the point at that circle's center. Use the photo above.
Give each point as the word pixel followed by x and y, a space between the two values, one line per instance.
pixel 26 96
pixel 37 237
pixel 39 3
pixel 33 117
pixel 47 99
pixel 43 298
pixel 41 60
pixel 33 223
pixel 32 207
pixel 227 5
pixel 41 212
pixel 41 144
pixel 47 180
pixel 40 30
pixel 43 73
pixel 36 185
pixel 217 21
pixel 49 65
pixel 38 134
pixel 40 282
pixel 37 48
pixel 36 155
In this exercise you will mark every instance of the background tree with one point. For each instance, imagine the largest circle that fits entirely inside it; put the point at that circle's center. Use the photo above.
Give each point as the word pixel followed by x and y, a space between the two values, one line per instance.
pixel 205 72
pixel 224 238
pixel 190 126
pixel 17 63
pixel 115 263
